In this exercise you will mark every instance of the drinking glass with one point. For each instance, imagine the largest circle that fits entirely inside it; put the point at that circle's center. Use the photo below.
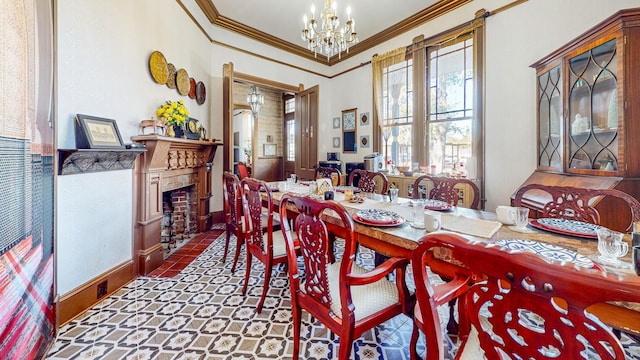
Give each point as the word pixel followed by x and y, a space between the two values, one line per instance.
pixel 393 195
pixel 635 258
pixel 520 217
pixel 610 245
pixel 348 193
pixel 418 213
pixel 335 179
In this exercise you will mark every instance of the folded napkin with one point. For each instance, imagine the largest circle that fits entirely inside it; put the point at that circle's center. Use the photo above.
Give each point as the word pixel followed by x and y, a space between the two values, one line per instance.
pixel 465 225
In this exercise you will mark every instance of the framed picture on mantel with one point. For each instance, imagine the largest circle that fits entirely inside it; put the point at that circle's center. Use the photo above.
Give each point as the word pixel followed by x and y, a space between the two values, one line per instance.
pixel 97 133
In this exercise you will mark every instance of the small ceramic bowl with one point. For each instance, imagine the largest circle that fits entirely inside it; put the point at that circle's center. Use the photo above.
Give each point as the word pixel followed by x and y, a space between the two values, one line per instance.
pixel 408 173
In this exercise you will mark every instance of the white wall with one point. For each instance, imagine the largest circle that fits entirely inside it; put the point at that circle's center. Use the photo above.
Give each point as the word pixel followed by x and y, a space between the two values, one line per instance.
pixel 103 52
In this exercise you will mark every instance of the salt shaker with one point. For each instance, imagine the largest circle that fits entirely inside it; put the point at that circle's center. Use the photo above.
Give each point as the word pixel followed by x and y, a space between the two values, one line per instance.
pixel 635 234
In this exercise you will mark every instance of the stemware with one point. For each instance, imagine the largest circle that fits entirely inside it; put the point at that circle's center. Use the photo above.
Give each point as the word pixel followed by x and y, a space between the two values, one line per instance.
pixel 610 245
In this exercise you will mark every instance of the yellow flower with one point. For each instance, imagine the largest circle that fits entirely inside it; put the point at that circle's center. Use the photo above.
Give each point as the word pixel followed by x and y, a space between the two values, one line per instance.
pixel 173 113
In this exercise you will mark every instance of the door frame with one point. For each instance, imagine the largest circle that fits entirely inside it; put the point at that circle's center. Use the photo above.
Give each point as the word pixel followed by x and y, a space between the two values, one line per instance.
pixel 229 77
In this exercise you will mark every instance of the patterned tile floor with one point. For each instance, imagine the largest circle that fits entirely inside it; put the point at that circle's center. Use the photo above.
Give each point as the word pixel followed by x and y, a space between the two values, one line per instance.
pixel 198 312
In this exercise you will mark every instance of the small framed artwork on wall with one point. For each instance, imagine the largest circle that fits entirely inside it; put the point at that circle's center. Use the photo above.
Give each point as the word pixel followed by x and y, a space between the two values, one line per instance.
pixel 336 123
pixel 336 142
pixel 364 119
pixel 364 141
pixel 349 125
pixel 270 149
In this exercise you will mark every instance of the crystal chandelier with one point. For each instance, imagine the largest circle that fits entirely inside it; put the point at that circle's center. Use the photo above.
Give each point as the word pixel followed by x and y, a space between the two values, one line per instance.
pixel 255 100
pixel 330 39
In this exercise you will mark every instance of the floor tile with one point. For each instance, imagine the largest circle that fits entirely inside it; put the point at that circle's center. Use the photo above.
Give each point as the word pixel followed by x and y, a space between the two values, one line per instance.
pixel 195 310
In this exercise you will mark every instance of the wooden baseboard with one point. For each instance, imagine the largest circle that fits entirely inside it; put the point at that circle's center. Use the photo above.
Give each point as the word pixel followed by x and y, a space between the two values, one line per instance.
pixel 217 217
pixel 81 299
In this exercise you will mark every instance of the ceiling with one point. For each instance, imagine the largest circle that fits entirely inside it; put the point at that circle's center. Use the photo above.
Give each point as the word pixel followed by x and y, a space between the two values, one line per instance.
pixel 279 23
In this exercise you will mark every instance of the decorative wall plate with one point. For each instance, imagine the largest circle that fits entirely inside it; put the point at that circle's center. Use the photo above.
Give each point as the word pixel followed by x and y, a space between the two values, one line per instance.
pixel 158 67
pixel 171 80
pixel 192 88
pixel 201 93
pixel 182 82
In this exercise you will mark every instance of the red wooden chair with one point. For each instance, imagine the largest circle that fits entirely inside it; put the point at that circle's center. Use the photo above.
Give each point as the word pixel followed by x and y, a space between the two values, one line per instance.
pixel 234 221
pixel 370 181
pixel 343 296
pixel 261 241
pixel 243 172
pixel 518 304
pixel 444 189
pixel 573 203
pixel 325 172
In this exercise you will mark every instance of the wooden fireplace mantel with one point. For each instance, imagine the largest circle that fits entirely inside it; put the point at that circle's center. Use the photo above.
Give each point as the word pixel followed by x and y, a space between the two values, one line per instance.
pixel 168 164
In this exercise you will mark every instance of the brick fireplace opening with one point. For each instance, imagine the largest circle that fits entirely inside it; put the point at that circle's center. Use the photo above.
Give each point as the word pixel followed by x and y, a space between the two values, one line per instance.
pixel 180 217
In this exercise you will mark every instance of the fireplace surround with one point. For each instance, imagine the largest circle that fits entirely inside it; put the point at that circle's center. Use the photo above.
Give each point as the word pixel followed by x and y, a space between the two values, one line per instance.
pixel 168 164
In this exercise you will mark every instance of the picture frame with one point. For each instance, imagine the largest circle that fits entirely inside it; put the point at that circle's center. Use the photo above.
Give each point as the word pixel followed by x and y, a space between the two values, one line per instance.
pixel 349 130
pixel 336 141
pixel 336 123
pixel 269 149
pixel 364 118
pixel 94 132
pixel 364 141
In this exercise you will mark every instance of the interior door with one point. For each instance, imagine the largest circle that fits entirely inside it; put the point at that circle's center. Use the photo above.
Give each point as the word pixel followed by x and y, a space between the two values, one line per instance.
pixel 306 137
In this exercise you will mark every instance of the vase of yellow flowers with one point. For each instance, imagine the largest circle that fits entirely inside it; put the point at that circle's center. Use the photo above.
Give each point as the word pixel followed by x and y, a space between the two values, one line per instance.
pixel 174 115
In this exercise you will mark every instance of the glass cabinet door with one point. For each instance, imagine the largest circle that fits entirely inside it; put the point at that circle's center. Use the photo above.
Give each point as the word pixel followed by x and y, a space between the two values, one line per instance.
pixel 593 109
pixel 550 120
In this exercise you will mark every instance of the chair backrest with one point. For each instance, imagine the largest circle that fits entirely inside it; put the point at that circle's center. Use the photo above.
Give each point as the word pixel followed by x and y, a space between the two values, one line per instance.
pixel 519 303
pixel 316 249
pixel 232 201
pixel 444 189
pixel 253 204
pixel 370 181
pixel 577 203
pixel 325 172
pixel 242 170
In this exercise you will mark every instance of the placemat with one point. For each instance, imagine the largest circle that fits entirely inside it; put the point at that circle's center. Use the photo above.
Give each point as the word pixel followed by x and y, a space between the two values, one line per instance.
pixel 465 225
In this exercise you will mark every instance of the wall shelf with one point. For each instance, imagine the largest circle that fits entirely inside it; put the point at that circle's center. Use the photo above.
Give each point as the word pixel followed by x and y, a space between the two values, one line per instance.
pixel 81 161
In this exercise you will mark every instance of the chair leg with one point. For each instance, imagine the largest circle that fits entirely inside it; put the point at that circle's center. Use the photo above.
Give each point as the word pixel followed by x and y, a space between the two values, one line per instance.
pixel 297 314
pixel 226 246
pixel 265 287
pixel 452 325
pixel 246 273
pixel 239 242
pixel 346 344
pixel 413 345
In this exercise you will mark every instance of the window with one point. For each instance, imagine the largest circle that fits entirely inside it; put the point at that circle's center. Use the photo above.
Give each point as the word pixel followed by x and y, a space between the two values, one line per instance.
pixel 291 140
pixel 450 104
pixel 397 112
pixel 290 128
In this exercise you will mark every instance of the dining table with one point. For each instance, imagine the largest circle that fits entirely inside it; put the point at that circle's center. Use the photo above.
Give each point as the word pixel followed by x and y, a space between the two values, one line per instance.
pixel 400 238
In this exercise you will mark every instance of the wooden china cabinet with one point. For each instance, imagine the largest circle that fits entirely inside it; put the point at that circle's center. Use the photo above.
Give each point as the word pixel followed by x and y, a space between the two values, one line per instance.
pixel 588 112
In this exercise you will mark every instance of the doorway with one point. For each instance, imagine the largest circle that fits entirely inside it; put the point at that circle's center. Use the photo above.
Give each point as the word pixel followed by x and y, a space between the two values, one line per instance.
pixel 269 146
